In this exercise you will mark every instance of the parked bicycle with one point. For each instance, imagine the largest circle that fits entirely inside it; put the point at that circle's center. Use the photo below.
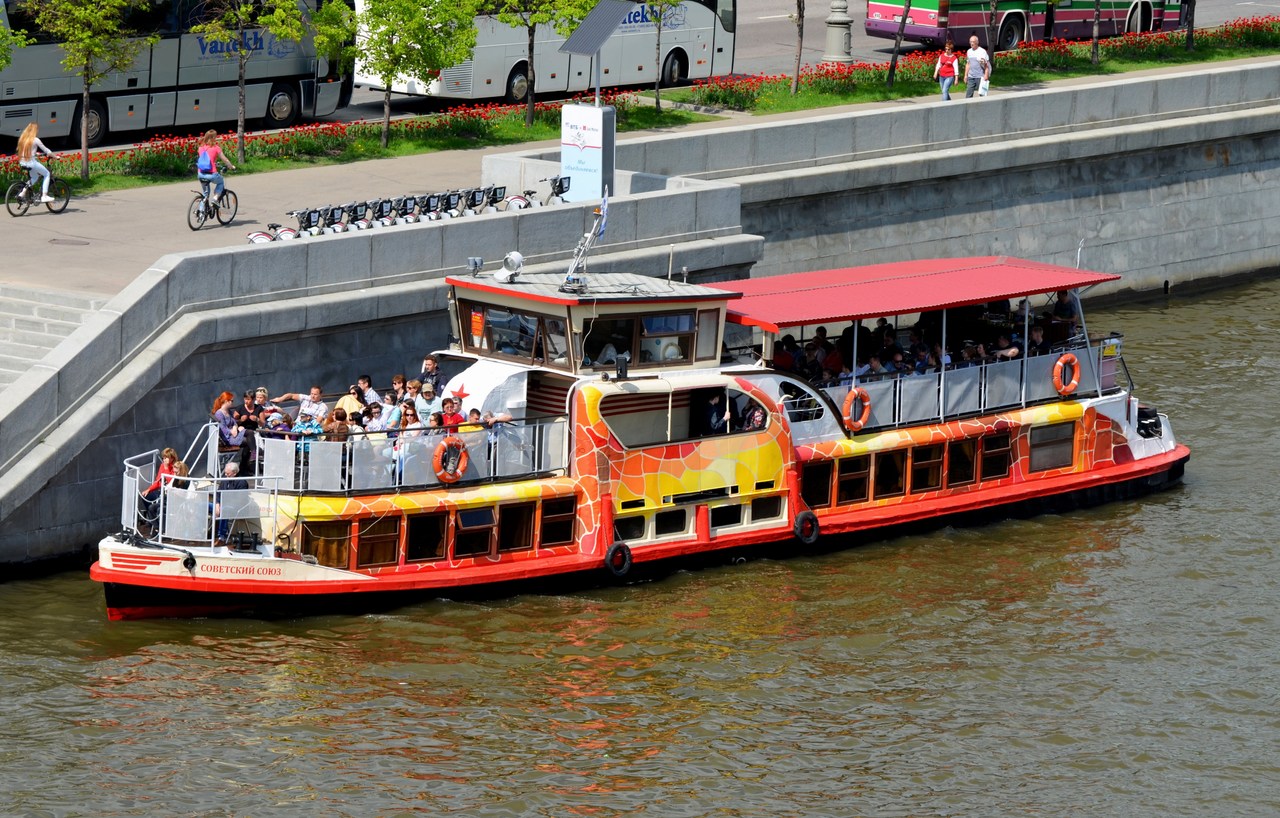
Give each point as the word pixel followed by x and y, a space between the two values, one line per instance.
pixel 204 207
pixel 23 194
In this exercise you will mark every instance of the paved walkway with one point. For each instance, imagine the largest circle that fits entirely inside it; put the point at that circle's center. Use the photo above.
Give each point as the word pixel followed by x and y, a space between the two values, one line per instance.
pixel 102 242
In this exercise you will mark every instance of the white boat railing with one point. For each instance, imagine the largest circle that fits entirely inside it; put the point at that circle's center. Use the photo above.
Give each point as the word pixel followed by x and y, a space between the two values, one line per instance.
pixel 902 400
pixel 375 463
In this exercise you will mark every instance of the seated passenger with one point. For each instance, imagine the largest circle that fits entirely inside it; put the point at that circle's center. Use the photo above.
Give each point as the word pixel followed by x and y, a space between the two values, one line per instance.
pixel 1005 349
pixel 352 403
pixel 247 413
pixel 1037 345
pixel 450 418
pixel 754 418
pixel 1065 309
pixel 810 368
pixel 474 423
pixel 311 405
pixel 230 433
pixel 873 366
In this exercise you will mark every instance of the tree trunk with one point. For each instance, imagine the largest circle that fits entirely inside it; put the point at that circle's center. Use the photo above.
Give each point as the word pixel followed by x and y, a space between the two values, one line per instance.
pixel 897 44
pixel 386 112
pixel 1190 8
pixel 84 128
pixel 528 103
pixel 795 78
pixel 993 30
pixel 659 13
pixel 1097 21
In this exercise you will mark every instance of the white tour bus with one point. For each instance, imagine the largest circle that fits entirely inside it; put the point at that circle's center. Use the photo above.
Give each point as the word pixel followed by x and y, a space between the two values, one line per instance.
pixel 181 80
pixel 697 42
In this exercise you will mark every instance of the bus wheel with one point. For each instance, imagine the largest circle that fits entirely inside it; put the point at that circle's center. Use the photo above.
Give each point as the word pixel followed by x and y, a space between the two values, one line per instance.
pixel 96 127
pixel 1010 33
pixel 282 107
pixel 517 84
pixel 672 70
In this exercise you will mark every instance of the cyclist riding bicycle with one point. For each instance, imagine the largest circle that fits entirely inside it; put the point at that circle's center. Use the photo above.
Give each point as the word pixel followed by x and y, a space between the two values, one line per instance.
pixel 30 146
pixel 207 163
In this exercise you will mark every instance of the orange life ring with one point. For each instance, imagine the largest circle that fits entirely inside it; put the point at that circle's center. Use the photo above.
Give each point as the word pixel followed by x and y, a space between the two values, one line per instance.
pixel 857 393
pixel 441 459
pixel 1066 360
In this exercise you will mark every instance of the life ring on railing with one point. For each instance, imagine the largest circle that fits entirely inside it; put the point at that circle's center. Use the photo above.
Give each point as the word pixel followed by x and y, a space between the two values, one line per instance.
pixel 618 559
pixel 450 460
pixel 1067 359
pixel 857 393
pixel 806 527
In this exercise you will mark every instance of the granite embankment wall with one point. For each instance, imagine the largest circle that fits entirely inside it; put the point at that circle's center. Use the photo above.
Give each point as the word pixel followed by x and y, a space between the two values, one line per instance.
pixel 1169 178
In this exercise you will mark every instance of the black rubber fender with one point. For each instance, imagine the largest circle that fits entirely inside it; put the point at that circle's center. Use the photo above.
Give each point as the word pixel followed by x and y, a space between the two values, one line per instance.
pixel 618 559
pixel 806 527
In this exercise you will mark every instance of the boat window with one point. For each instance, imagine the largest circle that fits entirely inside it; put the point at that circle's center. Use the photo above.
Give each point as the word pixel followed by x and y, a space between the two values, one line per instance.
pixel 557 521
pixel 672 521
pixel 640 419
pixel 926 468
pixel 853 479
pixel 996 456
pixel 628 528
pixel 766 508
pixel 378 541
pixel 475 532
pixel 329 543
pixel 800 404
pixel 515 527
pixel 708 330
pixel 1052 447
pixel 815 483
pixel 425 537
pixel 890 473
pixel 723 516
pixel 507 333
pixel 650 340
pixel 961 456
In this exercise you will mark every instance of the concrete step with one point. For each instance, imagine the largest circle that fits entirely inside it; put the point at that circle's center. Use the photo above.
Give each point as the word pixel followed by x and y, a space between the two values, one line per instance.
pixel 74 301
pixel 10 324
pixel 48 310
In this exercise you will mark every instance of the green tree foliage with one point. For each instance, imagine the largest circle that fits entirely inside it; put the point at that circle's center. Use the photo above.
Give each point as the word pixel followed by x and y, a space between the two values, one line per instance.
pixel 333 31
pixel 659 13
pixel 240 27
pixel 9 40
pixel 95 42
pixel 562 15
pixel 413 38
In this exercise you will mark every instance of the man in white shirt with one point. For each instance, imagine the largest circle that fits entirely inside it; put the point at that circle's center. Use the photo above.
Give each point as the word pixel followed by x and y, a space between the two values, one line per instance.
pixel 309 404
pixel 977 67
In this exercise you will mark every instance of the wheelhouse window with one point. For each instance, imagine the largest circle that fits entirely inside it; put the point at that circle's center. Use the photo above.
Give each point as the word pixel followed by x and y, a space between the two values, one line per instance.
pixel 515 527
pixel 1052 447
pixel 652 339
pixel 502 332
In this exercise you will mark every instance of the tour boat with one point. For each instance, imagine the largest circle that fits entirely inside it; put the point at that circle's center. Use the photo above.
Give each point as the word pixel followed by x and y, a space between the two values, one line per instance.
pixel 642 422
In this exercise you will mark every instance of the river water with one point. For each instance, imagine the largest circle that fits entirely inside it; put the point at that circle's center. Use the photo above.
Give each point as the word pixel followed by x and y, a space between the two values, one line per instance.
pixel 1114 662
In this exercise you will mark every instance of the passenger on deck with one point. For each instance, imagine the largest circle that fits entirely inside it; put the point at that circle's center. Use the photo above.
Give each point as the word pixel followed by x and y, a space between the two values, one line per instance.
pixel 474 422
pixel 786 354
pixel 410 424
pixel 397 393
pixel 889 345
pixel 151 497
pixel 230 433
pixel 873 366
pixel 450 417
pixel 233 482
pixel 810 368
pixel 1005 349
pixel 352 402
pixel 365 384
pixel 339 426
pixel 278 424
pixel 429 397
pixel 1037 345
pixel 435 424
pixel 431 374
pixel 310 405
pixel 754 417
pixel 373 419
pixel 261 397
pixel 940 354
pixel 715 414
pixel 246 414
pixel 1065 309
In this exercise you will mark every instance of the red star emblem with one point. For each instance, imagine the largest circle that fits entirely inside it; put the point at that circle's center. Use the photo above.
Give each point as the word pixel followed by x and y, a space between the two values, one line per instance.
pixel 461 392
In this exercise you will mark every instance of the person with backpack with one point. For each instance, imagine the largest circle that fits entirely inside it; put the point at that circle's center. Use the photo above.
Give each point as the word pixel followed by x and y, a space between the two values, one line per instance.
pixel 207 162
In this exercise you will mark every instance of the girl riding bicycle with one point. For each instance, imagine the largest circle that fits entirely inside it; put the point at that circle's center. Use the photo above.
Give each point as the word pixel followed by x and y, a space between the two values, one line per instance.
pixel 29 146
pixel 207 162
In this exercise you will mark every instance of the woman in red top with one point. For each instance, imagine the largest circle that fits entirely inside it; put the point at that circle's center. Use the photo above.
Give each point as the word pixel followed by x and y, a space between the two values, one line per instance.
pixel 208 154
pixel 945 71
pixel 150 497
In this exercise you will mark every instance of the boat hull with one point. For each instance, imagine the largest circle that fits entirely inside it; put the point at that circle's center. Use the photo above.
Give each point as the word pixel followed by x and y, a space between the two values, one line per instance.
pixel 128 599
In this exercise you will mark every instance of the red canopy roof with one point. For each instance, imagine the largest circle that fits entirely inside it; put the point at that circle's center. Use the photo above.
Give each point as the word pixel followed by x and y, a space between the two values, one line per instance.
pixel 900 288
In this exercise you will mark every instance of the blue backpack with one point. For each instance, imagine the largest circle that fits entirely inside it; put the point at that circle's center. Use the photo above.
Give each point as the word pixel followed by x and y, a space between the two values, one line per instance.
pixel 204 163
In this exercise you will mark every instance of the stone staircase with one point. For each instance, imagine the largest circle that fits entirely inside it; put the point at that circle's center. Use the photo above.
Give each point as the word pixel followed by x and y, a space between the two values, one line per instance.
pixel 33 322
